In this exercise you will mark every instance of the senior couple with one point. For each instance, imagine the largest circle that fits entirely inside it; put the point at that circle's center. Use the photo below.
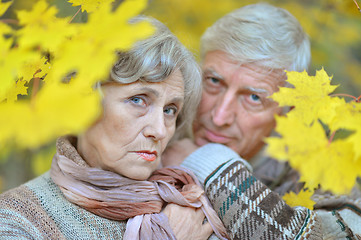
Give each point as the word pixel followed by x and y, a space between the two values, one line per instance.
pixel 108 183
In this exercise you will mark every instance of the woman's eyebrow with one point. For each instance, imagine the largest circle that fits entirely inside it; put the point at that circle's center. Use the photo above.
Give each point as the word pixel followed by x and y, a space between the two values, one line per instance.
pixel 150 90
pixel 176 99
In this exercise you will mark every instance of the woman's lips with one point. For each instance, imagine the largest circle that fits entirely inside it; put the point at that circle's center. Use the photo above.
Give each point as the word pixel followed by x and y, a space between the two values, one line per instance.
pixel 216 138
pixel 148 156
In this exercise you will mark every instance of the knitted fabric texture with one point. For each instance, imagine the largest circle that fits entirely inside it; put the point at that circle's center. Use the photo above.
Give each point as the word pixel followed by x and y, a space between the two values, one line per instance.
pixel 39 210
pixel 112 196
pixel 250 210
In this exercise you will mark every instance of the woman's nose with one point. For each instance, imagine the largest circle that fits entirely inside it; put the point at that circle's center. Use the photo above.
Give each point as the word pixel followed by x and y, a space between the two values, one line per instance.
pixel 223 113
pixel 156 127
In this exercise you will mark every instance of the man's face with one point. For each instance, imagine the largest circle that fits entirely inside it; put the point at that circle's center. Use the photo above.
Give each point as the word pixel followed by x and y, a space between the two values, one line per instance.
pixel 235 110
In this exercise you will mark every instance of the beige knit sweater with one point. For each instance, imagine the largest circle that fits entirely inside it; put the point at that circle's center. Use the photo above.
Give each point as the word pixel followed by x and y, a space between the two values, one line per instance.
pixel 38 210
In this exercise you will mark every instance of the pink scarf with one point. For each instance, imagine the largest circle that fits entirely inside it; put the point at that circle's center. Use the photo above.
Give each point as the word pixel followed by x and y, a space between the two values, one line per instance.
pixel 112 196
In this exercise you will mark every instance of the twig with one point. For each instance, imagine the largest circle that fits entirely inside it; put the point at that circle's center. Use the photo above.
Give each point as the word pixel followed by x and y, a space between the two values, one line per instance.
pixel 331 137
pixel 345 95
pixel 36 82
pixel 11 21
pixel 357 5
pixel 75 15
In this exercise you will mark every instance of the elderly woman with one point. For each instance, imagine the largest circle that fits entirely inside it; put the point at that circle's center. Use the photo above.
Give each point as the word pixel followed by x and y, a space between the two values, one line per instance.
pixel 97 187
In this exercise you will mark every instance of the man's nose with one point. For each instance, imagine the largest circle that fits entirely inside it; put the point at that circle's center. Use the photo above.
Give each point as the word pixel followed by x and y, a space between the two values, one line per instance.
pixel 224 111
pixel 156 127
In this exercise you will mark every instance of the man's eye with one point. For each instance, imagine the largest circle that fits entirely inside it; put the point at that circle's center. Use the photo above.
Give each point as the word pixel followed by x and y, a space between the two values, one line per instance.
pixel 255 98
pixel 170 111
pixel 214 80
pixel 137 100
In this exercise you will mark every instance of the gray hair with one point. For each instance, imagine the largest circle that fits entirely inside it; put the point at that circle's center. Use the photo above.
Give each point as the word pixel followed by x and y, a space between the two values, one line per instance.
pixel 262 34
pixel 156 58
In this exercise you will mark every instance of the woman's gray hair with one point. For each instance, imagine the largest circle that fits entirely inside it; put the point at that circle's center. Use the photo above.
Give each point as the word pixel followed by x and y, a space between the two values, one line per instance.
pixel 155 59
pixel 260 33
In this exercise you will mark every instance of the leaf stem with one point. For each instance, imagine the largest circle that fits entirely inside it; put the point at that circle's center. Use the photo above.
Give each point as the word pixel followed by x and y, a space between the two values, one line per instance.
pixel 357 5
pixel 331 137
pixel 35 89
pixel 11 21
pixel 75 15
pixel 345 95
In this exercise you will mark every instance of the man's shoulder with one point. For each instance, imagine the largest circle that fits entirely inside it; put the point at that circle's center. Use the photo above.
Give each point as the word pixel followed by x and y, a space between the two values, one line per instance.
pixel 278 176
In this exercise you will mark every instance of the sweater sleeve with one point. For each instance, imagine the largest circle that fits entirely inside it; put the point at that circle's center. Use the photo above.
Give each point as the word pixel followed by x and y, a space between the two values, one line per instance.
pixel 209 157
pixel 248 208
pixel 15 226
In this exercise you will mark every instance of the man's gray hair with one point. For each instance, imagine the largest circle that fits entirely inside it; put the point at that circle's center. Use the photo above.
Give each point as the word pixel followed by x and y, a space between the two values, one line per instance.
pixel 262 34
pixel 155 59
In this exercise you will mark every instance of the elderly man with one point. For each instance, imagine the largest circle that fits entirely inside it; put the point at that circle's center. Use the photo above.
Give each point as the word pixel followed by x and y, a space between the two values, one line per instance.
pixel 244 55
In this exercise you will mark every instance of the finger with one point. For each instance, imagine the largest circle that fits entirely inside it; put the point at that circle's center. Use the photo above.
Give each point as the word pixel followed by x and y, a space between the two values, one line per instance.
pixel 207 230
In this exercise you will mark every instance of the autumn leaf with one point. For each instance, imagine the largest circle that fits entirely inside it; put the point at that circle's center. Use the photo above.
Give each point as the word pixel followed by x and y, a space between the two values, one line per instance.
pixel 42 28
pixel 350 119
pixel 304 138
pixel 18 88
pixel 334 167
pixel 309 97
pixel 38 68
pixel 4 6
pixel 90 5
pixel 297 139
pixel 86 51
pixel 13 59
pixel 303 198
pixel 92 51
pixel 59 109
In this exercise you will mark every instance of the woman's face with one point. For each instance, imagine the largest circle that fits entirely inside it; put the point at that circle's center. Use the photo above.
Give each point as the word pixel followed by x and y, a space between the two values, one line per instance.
pixel 138 121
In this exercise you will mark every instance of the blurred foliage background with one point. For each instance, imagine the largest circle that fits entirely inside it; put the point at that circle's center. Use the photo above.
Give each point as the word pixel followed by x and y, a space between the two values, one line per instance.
pixel 334 28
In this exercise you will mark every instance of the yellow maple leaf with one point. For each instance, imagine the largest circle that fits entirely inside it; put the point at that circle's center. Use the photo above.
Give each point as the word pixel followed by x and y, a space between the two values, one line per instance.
pixel 92 51
pixel 89 5
pixel 334 167
pixel 304 141
pixel 58 109
pixel 4 6
pixel 5 29
pixel 310 96
pixel 42 28
pixel 18 88
pixel 303 198
pixel 38 68
pixel 63 108
pixel 11 61
pixel 297 139
pixel 350 119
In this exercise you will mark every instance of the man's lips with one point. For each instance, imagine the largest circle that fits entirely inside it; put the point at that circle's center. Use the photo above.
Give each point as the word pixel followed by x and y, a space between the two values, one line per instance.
pixel 216 137
pixel 147 155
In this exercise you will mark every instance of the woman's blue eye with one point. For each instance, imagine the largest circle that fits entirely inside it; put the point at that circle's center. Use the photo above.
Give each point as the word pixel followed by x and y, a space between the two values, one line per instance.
pixel 137 100
pixel 170 111
pixel 255 97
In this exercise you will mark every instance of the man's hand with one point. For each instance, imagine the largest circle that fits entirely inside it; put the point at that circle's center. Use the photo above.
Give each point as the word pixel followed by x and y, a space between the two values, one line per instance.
pixel 176 152
pixel 187 222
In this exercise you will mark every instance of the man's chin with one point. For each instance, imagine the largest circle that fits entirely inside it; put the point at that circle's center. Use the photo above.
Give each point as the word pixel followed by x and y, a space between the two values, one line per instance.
pixel 199 141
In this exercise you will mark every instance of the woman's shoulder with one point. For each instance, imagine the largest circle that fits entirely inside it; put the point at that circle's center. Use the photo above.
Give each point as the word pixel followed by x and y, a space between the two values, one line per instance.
pixel 39 208
pixel 22 212
pixel 24 192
